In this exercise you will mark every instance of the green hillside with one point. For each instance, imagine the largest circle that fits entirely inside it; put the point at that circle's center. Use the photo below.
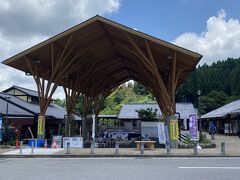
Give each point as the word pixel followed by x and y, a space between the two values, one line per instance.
pixel 219 84
pixel 126 93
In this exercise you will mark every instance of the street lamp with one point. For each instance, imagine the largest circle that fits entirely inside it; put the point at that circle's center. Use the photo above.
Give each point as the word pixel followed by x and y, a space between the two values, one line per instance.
pixel 6 119
pixel 199 115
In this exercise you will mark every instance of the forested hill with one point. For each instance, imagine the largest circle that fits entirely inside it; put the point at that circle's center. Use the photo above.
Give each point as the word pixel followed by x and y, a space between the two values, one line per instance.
pixel 131 92
pixel 219 84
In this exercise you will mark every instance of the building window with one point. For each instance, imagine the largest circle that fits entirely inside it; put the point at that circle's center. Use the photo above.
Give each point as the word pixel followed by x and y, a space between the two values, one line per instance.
pixel 35 100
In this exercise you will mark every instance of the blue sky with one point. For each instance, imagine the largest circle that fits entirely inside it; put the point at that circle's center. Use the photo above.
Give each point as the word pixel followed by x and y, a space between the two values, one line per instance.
pixel 209 27
pixel 168 19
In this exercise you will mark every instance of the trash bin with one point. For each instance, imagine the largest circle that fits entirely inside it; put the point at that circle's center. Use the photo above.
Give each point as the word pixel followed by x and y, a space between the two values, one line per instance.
pixel 30 141
pixel 40 143
pixel 36 142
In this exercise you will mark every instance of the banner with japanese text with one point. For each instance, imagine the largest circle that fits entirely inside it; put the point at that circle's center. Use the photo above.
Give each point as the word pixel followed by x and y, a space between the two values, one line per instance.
pixel 161 133
pixel 174 129
pixel 193 127
pixel 41 125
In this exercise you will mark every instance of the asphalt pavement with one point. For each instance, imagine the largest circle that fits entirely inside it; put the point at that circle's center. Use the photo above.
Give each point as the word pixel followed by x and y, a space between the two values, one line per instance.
pixel 120 168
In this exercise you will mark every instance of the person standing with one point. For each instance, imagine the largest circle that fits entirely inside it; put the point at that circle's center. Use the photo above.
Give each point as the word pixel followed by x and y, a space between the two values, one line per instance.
pixel 212 130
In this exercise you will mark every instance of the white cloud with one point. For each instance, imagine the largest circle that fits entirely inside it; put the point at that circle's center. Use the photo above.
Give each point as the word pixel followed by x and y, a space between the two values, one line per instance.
pixel 220 40
pixel 49 16
pixel 28 22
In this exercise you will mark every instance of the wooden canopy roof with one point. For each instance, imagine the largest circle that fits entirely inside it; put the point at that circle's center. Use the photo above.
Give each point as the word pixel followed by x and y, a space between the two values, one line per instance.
pixel 99 54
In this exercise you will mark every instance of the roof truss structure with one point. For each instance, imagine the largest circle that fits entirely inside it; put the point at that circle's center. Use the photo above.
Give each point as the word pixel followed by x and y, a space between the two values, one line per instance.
pixel 98 55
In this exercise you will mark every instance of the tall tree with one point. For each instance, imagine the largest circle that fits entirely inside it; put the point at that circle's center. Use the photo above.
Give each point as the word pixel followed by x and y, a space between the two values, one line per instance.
pixel 220 78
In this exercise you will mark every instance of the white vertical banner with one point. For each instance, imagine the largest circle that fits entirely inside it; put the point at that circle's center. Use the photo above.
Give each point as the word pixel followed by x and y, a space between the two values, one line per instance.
pixel 93 126
pixel 161 133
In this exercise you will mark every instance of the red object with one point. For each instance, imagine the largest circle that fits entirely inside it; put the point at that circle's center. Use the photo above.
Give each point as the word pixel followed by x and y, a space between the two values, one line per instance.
pixel 17 143
pixel 45 144
pixel 54 143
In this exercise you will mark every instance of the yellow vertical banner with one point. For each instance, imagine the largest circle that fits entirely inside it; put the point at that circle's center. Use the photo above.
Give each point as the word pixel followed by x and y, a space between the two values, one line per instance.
pixel 41 125
pixel 174 129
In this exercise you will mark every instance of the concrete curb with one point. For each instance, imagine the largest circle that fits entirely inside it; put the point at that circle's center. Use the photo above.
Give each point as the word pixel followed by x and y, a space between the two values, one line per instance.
pixel 115 156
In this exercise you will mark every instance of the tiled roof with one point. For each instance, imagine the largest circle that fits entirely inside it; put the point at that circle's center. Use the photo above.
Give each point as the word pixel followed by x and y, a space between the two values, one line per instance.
pixel 25 90
pixel 54 111
pixel 128 111
pixel 13 110
pixel 223 111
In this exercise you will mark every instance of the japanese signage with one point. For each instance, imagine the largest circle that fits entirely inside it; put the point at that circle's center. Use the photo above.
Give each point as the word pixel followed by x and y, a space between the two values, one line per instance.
pixel 193 127
pixel 41 124
pixel 75 142
pixel 161 133
pixel 174 129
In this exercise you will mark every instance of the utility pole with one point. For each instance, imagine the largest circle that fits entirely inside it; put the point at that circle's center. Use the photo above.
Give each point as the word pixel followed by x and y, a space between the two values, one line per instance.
pixel 199 115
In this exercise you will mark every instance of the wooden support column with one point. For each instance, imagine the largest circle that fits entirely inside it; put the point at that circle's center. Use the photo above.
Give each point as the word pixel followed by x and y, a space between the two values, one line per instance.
pixel 97 104
pixel 172 121
pixel 164 92
pixel 71 96
pixel 45 96
pixel 60 63
pixel 87 102
pixel 164 99
pixel 173 81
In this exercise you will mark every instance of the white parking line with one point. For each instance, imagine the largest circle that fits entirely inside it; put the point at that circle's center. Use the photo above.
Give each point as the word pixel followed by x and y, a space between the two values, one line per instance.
pixel 101 158
pixel 195 158
pixel 211 167
pixel 84 158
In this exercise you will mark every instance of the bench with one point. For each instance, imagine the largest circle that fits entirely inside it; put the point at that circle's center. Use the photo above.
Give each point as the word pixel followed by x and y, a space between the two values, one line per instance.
pixel 100 144
pixel 149 144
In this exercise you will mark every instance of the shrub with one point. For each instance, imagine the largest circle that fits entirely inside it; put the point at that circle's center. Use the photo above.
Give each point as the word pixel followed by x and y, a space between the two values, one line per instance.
pixel 204 139
pixel 189 141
